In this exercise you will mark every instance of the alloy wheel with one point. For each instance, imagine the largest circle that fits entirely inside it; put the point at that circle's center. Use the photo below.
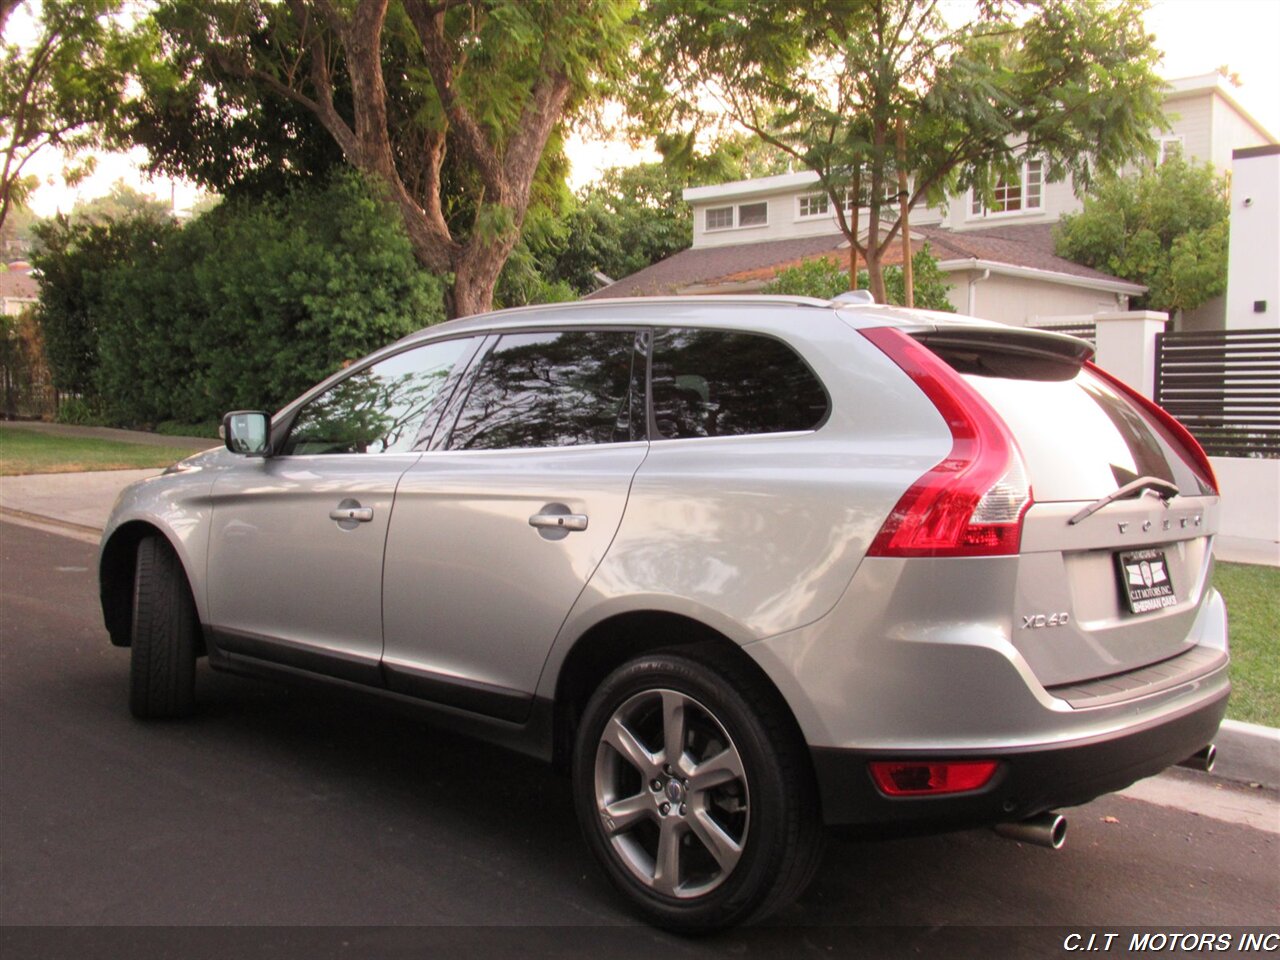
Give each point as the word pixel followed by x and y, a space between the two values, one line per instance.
pixel 671 793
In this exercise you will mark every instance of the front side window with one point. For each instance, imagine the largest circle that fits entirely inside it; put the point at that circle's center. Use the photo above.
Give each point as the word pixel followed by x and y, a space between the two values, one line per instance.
pixel 721 383
pixel 557 389
pixel 380 409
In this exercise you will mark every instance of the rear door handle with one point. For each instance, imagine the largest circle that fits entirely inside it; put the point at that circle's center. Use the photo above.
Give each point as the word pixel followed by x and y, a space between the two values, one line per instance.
pixel 564 521
pixel 358 514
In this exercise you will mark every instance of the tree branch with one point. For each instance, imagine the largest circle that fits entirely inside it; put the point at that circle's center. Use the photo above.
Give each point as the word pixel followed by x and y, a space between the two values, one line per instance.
pixel 428 23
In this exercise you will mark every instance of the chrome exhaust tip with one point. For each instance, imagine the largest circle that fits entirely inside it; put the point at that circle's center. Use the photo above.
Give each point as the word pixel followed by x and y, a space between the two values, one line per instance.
pixel 1201 759
pixel 1043 830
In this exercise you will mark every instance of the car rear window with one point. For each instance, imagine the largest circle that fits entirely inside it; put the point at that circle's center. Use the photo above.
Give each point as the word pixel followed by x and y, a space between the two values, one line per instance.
pixel 721 383
pixel 1081 439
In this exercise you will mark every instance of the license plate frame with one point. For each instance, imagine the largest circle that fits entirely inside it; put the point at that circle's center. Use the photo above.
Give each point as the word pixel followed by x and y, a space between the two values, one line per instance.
pixel 1145 581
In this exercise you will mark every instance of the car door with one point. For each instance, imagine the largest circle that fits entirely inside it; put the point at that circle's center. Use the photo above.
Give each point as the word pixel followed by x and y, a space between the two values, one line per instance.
pixel 295 557
pixel 496 533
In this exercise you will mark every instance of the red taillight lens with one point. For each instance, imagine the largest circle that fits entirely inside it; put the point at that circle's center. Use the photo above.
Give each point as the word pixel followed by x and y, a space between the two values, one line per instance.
pixel 918 779
pixel 972 503
pixel 1175 433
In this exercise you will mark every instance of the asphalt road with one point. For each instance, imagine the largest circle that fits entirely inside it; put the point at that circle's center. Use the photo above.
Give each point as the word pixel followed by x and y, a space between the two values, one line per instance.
pixel 332 826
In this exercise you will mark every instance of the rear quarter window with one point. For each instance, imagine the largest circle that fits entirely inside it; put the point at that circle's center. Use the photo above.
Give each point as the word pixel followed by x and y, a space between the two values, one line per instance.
pixel 722 383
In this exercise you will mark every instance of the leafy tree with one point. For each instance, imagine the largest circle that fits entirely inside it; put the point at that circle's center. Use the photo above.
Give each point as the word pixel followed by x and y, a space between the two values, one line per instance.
pixel 635 216
pixel 121 202
pixel 449 106
pixel 825 279
pixel 1165 227
pixel 887 100
pixel 77 260
pixel 629 218
pixel 245 306
pixel 64 90
pixel 15 233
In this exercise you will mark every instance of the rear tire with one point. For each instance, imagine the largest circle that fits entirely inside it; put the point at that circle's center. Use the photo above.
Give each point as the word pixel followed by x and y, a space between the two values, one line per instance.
pixel 728 832
pixel 162 664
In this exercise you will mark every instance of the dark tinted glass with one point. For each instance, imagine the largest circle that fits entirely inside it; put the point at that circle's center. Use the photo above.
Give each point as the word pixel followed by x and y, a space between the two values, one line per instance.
pixel 1080 438
pixel 550 390
pixel 716 383
pixel 381 409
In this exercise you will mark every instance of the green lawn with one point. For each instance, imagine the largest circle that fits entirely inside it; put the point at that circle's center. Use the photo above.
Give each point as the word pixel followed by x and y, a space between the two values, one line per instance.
pixel 25 451
pixel 1253 608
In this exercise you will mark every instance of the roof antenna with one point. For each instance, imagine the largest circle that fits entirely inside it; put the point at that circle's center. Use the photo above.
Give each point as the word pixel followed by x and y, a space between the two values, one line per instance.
pixel 862 296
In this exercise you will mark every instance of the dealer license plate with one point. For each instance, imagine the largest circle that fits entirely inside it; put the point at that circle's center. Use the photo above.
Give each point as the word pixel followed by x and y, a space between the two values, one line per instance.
pixel 1145 581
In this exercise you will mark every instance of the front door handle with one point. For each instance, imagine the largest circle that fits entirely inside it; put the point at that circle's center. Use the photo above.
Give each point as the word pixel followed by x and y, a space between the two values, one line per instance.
pixel 562 521
pixel 346 514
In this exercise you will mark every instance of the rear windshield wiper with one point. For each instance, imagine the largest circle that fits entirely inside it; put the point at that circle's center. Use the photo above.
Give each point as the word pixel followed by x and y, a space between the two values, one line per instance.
pixel 1133 488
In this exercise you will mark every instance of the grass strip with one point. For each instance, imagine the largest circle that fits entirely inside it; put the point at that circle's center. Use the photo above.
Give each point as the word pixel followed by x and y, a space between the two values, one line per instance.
pixel 27 451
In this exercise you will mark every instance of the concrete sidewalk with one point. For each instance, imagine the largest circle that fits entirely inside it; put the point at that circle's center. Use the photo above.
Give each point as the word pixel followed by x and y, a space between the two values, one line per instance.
pixel 81 500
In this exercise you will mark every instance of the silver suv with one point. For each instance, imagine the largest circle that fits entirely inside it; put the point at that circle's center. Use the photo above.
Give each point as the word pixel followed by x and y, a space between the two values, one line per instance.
pixel 745 566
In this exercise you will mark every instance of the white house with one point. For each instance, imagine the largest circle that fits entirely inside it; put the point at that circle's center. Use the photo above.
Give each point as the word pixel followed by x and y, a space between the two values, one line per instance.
pixel 18 289
pixel 999 256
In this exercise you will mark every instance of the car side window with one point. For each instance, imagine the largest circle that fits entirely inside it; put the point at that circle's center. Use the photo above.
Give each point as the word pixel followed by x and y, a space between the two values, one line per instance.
pixel 380 409
pixel 551 389
pixel 724 383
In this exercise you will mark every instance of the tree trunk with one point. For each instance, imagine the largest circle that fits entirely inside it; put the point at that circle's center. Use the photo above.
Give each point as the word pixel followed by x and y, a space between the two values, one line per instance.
pixel 853 230
pixel 908 280
pixel 875 275
pixel 475 277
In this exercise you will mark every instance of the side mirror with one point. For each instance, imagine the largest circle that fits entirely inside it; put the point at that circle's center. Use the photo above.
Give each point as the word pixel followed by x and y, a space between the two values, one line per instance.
pixel 247 432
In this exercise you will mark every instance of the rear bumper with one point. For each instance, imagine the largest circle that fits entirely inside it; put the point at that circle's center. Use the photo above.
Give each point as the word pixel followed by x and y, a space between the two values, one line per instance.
pixel 1030 779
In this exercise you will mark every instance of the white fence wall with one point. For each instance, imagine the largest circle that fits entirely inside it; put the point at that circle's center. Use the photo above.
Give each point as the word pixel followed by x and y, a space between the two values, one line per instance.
pixel 1250 498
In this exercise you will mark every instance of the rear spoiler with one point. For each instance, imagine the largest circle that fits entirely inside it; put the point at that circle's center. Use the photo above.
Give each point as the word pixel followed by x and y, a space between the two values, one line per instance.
pixel 1011 341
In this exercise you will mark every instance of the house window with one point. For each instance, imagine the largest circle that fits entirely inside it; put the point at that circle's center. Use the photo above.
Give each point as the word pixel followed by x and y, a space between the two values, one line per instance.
pixel 814 205
pixel 719 218
pixel 748 215
pixel 1015 193
pixel 753 214
pixel 1171 147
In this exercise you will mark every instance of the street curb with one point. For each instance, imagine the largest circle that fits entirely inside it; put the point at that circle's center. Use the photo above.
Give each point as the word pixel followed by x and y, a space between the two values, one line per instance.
pixel 1248 753
pixel 65 528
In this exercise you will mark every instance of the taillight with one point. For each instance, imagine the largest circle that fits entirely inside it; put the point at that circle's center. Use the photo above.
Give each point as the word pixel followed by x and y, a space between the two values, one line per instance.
pixel 1175 433
pixel 972 503
pixel 922 779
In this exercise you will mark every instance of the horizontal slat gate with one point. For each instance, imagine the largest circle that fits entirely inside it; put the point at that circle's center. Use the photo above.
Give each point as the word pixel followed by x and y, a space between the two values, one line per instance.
pixel 1225 388
pixel 1085 331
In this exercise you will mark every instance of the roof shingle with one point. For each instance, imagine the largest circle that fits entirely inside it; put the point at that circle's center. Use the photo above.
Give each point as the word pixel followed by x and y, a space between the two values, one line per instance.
pixel 1018 245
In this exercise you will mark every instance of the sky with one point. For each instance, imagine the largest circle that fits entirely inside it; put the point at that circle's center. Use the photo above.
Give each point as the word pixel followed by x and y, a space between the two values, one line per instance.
pixel 1196 36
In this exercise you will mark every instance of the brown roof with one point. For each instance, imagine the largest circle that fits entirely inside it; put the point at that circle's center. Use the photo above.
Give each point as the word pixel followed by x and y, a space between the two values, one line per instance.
pixel 1025 245
pixel 18 285
pixel 708 264
pixel 1019 245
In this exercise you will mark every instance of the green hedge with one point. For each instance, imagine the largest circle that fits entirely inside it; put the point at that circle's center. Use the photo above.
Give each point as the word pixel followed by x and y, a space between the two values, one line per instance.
pixel 244 307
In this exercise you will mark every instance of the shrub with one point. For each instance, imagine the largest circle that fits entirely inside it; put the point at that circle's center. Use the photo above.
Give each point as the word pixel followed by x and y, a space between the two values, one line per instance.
pixel 80 412
pixel 824 278
pixel 244 307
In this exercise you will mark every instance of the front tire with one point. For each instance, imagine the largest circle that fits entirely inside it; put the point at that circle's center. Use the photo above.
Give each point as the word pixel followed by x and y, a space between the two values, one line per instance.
pixel 694 791
pixel 162 662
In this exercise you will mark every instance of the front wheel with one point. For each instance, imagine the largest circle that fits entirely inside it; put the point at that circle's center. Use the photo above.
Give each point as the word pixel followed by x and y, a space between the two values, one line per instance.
pixel 694 792
pixel 162 660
